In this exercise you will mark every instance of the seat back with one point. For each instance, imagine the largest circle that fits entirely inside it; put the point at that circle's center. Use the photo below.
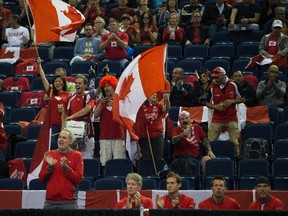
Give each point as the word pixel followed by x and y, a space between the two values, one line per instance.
pixel 108 184
pixel 112 168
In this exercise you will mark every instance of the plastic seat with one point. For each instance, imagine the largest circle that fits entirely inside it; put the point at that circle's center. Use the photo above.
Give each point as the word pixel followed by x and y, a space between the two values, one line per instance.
pixel 240 64
pixel 112 168
pixel 258 131
pixel 32 131
pixel 149 184
pixel 175 52
pixel 190 65
pixel 280 174
pixel 219 167
pixel 250 170
pixel 169 69
pixel 222 50
pixel 63 53
pixel 50 67
pixel 44 53
pixel 37 84
pixel 22 114
pixel 9 98
pixel 223 149
pixel 210 64
pixel 281 131
pixel 225 36
pixel 12 129
pixel 24 149
pixel 85 185
pixel 146 167
pixel 37 184
pixel 91 169
pixel 173 114
pixel 82 67
pixel 252 36
pixel 6 69
pixel 280 183
pixel 108 184
pixel 247 49
pixel 280 149
pixel 140 48
pixel 2 155
pixel 11 184
pixel 199 52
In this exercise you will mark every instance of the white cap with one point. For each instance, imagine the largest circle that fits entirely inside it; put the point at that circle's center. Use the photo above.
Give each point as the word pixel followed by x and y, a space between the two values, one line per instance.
pixel 277 23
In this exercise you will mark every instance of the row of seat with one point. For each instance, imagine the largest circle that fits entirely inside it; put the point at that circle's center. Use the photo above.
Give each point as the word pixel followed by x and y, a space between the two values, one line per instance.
pixel 248 171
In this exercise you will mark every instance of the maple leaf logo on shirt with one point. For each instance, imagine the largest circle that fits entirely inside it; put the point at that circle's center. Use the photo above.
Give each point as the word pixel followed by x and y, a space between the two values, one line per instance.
pixel 125 91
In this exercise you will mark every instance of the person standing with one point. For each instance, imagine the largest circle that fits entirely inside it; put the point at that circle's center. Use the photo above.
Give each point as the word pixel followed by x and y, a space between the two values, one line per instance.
pixel 174 199
pixel 218 200
pixel 62 168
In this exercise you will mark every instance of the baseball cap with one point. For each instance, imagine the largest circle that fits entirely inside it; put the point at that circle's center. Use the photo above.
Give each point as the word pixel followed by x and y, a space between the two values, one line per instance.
pixel 125 16
pixel 262 180
pixel 183 114
pixel 277 23
pixel 218 71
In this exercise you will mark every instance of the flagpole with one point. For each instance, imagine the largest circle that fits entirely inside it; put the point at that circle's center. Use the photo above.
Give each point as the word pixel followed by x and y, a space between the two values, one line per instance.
pixel 29 22
pixel 151 151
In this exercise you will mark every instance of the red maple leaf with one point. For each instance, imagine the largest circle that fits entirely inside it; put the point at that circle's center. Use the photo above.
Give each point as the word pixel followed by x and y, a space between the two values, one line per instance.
pixel 126 87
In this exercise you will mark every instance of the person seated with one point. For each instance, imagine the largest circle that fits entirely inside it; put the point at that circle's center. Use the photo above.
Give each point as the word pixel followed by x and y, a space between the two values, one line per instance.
pixel 171 6
pixel 99 27
pixel 217 17
pixel 87 48
pixel 187 10
pixel 93 10
pixel 195 32
pixel 173 34
pixel 269 10
pixel 280 13
pixel 143 7
pixel 201 88
pixel 116 13
pixel 146 33
pixel 16 35
pixel 245 16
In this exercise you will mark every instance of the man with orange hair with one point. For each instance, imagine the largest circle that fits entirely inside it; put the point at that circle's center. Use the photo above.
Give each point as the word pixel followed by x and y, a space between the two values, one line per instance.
pixel 112 134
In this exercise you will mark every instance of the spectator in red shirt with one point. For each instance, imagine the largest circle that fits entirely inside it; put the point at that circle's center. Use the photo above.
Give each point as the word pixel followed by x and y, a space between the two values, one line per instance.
pixel 93 10
pixel 218 200
pixel 3 138
pixel 134 199
pixel 174 199
pixel 265 200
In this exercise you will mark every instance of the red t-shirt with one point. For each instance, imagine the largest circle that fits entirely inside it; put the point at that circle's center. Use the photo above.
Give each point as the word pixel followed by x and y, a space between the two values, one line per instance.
pixel 179 35
pixel 197 37
pixel 113 51
pixel 219 95
pixel 273 204
pixel 3 139
pixel 185 202
pixel 272 47
pixel 19 84
pixel 145 201
pixel 57 105
pixel 109 129
pixel 189 145
pixel 228 203
pixel 92 14
pixel 150 116
pixel 76 103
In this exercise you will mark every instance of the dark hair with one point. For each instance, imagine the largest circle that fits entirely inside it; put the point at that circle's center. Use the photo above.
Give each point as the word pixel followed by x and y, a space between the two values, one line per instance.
pixel 218 178
pixel 174 175
pixel 151 21
pixel 64 88
pixel 17 18
pixel 262 180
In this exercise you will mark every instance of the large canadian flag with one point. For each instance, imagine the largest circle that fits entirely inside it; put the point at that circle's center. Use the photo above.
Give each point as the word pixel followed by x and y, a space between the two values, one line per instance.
pixel 55 20
pixel 144 76
pixel 14 54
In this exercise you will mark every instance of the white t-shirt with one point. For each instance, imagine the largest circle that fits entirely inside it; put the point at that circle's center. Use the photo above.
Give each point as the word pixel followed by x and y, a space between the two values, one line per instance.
pixel 15 36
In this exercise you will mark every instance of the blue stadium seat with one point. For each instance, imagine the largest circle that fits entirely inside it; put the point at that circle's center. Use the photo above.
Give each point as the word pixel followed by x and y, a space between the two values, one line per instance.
pixel 281 131
pixel 225 36
pixel 37 84
pixel 6 69
pixel 190 65
pixel 22 114
pixel 173 114
pixel 82 67
pixel 108 184
pixel 199 52
pixel 11 184
pixel 222 50
pixel 219 167
pixel 251 36
pixel 85 185
pixel 50 67
pixel 44 53
pixel 258 131
pixel 12 129
pixel 9 98
pixel 63 53
pixel 280 149
pixel 280 174
pixel 140 48
pixel 223 149
pixel 91 169
pixel 32 131
pixel 114 67
pixel 37 184
pixel 247 49
pixel 112 168
pixel 24 149
pixel 149 184
pixel 175 52
pixel 169 69
pixel 146 167
pixel 240 64
pixel 210 64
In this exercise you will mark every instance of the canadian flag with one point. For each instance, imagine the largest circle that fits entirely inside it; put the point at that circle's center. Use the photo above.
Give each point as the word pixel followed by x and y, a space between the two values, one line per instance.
pixel 280 61
pixel 14 54
pixel 55 20
pixel 144 76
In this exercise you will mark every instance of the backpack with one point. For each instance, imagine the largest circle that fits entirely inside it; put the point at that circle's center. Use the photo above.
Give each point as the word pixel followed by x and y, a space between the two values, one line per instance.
pixel 254 148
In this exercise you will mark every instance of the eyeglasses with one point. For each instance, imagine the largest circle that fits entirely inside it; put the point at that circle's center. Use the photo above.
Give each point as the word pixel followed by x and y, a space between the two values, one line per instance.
pixel 146 17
